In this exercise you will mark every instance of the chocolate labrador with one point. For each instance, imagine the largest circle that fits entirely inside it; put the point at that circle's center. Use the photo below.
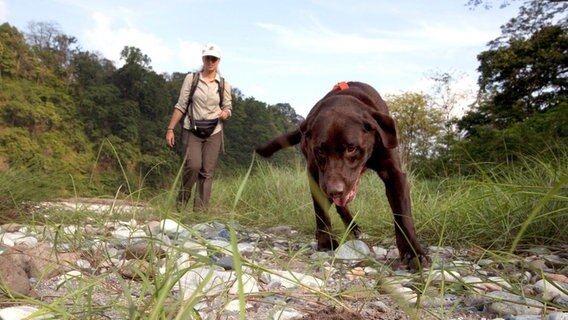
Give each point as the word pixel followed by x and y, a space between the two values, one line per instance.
pixel 346 132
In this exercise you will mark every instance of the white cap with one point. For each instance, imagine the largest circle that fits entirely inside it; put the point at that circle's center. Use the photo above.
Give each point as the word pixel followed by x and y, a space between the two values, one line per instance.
pixel 211 50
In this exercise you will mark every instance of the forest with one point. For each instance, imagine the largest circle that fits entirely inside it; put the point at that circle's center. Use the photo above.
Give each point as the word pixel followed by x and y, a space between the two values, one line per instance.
pixel 73 113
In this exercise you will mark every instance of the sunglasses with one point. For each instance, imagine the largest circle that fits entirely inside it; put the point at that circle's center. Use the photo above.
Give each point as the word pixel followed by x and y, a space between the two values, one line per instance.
pixel 211 59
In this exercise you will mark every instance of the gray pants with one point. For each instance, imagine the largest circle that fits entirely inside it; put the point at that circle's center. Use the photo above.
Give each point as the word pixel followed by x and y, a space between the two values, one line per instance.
pixel 201 156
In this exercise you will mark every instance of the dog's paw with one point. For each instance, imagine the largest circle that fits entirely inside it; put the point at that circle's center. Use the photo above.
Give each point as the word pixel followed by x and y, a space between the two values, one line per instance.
pixel 327 244
pixel 416 262
pixel 357 232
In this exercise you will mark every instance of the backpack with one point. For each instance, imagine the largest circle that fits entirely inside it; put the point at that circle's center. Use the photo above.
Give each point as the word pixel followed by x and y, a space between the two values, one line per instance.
pixel 202 128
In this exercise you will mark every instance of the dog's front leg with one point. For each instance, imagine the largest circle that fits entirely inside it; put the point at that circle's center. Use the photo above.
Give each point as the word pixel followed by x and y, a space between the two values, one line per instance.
pixel 398 195
pixel 347 219
pixel 324 234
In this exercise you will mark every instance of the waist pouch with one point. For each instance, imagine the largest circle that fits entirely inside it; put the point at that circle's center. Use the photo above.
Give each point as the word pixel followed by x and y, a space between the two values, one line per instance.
pixel 203 128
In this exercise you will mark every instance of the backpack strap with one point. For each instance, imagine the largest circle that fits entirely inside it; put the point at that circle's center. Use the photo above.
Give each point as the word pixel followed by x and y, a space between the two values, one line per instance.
pixel 194 82
pixel 221 92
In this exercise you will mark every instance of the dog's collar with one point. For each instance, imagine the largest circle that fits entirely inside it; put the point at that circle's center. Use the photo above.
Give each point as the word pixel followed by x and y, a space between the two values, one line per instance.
pixel 340 86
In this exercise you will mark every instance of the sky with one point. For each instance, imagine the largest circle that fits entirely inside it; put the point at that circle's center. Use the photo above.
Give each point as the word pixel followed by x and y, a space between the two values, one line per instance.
pixel 290 51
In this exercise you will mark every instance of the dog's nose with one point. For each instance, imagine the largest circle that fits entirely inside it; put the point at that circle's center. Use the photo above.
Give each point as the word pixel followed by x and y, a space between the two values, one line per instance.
pixel 335 190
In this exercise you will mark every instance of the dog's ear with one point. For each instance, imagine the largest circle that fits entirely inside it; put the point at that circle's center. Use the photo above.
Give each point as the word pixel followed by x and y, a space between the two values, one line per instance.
pixel 304 126
pixel 386 128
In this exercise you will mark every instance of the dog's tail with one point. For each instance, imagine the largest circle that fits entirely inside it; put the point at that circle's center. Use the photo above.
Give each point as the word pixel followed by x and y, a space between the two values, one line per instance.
pixel 284 141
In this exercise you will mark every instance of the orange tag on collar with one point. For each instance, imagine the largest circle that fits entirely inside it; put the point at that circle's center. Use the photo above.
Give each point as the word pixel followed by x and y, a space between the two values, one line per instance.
pixel 340 86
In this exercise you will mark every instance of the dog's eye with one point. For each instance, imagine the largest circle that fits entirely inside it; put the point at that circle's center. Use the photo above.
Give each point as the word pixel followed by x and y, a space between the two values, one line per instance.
pixel 320 154
pixel 351 150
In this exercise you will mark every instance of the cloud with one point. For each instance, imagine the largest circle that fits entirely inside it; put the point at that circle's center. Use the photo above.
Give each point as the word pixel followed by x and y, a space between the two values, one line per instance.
pixel 189 55
pixel 109 38
pixel 452 34
pixel 423 35
pixel 3 11
pixel 320 39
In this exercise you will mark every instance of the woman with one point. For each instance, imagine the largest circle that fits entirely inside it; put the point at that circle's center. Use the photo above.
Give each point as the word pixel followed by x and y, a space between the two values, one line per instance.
pixel 201 153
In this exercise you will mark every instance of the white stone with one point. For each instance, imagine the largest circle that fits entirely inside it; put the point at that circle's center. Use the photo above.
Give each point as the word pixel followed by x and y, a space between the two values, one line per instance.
pixel 68 276
pixel 153 227
pixel 380 252
pixel 505 303
pixel 500 282
pixel 184 261
pixel 235 306
pixel 70 230
pixel 353 250
pixel 13 235
pixel 7 241
pixel 371 271
pixel 221 245
pixel 170 226
pixel 445 276
pixel 291 279
pixel 124 233
pixel 393 254
pixel 249 285
pixel 216 281
pixel 245 248
pixel 549 290
pixel 26 241
pixel 280 313
pixel 20 312
pixel 83 264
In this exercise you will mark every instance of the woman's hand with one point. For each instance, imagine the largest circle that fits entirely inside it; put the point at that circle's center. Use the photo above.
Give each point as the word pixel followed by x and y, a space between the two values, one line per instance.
pixel 170 138
pixel 224 115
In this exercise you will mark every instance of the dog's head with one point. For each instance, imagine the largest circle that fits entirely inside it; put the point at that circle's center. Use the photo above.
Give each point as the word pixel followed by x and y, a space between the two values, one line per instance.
pixel 339 138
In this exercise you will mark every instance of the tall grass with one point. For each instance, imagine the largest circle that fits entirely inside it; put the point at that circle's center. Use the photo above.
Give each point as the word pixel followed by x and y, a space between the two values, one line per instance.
pixel 524 203
pixel 501 205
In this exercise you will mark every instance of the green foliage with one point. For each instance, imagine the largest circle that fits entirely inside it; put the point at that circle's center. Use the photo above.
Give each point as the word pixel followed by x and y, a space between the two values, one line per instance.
pixel 540 133
pixel 16 58
pixel 525 77
pixel 418 126
pixel 77 114
pixel 253 124
pixel 19 145
pixel 523 90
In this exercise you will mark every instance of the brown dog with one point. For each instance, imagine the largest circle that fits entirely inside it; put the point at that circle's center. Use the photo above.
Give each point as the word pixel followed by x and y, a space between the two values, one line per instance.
pixel 346 132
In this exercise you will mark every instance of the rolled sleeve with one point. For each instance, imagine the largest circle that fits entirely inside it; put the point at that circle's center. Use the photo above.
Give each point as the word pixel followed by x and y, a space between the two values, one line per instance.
pixel 184 93
pixel 227 99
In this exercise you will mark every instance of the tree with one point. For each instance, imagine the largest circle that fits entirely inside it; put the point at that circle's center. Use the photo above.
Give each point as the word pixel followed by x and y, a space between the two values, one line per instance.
pixel 54 49
pixel 134 56
pixel 518 81
pixel 91 69
pixel 488 4
pixel 533 16
pixel 449 101
pixel 523 88
pixel 419 126
pixel 16 59
pixel 289 114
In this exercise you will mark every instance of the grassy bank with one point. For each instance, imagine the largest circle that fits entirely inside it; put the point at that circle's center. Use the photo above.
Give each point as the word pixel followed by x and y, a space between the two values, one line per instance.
pixel 525 202
pixel 502 205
